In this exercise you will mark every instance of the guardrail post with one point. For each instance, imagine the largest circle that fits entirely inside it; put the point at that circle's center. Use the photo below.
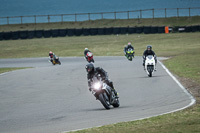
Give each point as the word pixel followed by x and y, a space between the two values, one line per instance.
pixel 153 12
pixel 7 20
pixel 189 12
pixel 21 20
pixel 177 12
pixel 89 16
pixel 140 13
pixel 62 18
pixel 165 13
pixel 35 19
pixel 75 17
pixel 115 15
pixel 48 18
pixel 101 15
pixel 128 14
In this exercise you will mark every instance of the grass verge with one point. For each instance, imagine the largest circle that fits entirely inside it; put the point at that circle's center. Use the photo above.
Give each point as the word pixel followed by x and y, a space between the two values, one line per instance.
pixel 3 70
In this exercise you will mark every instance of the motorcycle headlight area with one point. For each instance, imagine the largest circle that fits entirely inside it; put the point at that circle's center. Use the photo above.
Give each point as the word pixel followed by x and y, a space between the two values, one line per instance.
pixel 97 85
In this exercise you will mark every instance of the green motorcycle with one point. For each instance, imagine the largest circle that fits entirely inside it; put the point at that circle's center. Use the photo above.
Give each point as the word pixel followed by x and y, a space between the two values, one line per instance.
pixel 130 54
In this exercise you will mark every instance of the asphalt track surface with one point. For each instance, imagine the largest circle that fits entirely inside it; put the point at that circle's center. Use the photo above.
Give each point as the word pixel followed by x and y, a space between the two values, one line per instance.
pixel 51 99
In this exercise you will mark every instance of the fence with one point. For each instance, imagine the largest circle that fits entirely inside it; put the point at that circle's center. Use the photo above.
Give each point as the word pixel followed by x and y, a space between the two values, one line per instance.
pixel 148 13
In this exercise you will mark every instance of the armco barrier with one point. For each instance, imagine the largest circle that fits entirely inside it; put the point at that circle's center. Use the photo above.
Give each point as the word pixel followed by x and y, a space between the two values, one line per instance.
pixel 147 29
pixel 72 32
pixel 78 32
pixel 161 29
pixel 154 29
pixel 23 34
pixel 39 33
pixel 101 31
pixel 47 33
pixel 31 34
pixel 62 32
pixel 131 30
pixel 86 32
pixel 55 33
pixel 15 35
pixel 123 30
pixel 93 31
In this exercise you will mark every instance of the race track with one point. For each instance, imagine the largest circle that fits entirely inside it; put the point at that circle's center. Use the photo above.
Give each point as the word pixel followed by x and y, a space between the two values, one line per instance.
pixel 52 99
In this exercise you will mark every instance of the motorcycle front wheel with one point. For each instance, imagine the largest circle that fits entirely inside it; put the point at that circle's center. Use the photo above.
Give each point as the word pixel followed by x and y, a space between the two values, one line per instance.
pixel 104 100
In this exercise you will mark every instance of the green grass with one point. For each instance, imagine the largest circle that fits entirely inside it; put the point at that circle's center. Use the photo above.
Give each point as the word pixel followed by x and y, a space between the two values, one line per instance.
pixel 174 21
pixel 187 121
pixel 3 70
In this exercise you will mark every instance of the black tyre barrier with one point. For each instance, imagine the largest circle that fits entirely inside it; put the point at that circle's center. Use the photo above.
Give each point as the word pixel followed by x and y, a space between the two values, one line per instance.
pixel 123 30
pixel 62 32
pixel 55 33
pixel 131 30
pixel 179 29
pixel 108 31
pixel 31 34
pixel 7 35
pixel 23 34
pixel 195 28
pixel 72 32
pixel 1 36
pixel 161 29
pixel 86 32
pixel 147 29
pixel 188 29
pixel 47 33
pixel 139 29
pixel 154 29
pixel 78 32
pixel 39 33
pixel 93 31
pixel 116 30
pixel 15 35
pixel 101 31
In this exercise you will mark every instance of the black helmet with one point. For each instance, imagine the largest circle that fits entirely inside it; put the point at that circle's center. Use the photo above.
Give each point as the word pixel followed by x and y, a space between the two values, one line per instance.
pixel 89 67
pixel 149 47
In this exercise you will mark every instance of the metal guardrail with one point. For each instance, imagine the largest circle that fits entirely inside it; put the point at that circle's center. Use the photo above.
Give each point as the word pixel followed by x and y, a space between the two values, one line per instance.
pixel 151 13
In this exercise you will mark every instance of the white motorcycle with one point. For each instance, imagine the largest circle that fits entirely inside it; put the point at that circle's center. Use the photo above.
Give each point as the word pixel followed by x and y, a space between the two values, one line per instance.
pixel 150 65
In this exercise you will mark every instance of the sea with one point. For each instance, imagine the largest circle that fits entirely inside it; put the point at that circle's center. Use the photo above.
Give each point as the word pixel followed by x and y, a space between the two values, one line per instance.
pixel 30 8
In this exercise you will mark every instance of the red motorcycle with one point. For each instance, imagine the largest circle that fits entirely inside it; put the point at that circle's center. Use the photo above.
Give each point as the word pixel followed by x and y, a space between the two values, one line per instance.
pixel 89 57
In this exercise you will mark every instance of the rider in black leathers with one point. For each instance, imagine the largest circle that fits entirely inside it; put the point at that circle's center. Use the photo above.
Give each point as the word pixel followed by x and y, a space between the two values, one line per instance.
pixel 147 52
pixel 127 47
pixel 92 71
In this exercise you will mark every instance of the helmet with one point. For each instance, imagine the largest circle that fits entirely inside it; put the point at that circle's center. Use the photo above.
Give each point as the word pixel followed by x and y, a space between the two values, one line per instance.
pixel 86 48
pixel 50 52
pixel 89 67
pixel 129 44
pixel 149 47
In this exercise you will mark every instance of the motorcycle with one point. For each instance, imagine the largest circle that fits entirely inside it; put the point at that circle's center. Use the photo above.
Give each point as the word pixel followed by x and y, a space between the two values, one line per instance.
pixel 104 93
pixel 89 58
pixel 56 61
pixel 150 65
pixel 130 54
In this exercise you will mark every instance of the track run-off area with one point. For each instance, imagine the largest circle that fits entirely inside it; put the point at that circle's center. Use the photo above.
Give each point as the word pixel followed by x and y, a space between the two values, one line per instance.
pixel 52 99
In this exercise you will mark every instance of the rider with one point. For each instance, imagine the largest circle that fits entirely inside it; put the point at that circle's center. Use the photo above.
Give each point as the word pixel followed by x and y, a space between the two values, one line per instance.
pixel 85 53
pixel 147 52
pixel 51 55
pixel 127 47
pixel 92 71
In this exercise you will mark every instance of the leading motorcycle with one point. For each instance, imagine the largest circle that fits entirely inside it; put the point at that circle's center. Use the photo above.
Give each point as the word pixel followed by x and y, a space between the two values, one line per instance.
pixel 89 57
pixel 103 92
pixel 150 65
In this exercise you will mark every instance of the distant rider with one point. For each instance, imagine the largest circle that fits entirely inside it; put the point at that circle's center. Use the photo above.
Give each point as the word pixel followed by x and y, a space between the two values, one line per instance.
pixel 92 71
pixel 85 53
pixel 147 52
pixel 128 47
